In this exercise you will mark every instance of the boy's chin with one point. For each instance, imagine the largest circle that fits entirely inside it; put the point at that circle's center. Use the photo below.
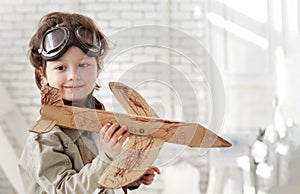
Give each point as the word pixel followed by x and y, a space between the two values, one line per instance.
pixel 75 99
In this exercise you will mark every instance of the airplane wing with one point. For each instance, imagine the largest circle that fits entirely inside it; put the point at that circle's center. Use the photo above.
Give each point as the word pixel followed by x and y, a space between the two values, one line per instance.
pixel 131 100
pixel 139 152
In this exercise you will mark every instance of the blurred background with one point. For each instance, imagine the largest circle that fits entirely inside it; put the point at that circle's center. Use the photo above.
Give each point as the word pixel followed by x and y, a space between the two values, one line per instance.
pixel 231 65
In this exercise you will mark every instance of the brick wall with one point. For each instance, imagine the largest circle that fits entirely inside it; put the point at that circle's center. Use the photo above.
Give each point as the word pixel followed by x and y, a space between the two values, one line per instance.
pixel 156 60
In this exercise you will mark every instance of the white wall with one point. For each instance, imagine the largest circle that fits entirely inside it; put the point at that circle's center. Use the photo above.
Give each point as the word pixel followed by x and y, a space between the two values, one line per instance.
pixel 174 86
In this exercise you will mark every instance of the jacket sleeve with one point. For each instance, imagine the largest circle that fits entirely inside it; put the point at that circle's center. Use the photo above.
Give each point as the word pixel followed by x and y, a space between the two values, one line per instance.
pixel 45 165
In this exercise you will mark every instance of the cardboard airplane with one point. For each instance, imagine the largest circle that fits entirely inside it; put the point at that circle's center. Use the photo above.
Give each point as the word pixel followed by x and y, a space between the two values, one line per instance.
pixel 148 131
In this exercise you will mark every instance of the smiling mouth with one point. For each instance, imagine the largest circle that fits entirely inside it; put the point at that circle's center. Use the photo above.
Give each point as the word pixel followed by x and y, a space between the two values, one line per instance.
pixel 73 87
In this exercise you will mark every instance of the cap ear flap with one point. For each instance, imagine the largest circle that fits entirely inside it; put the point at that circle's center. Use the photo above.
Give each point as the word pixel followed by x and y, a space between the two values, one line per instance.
pixel 43 79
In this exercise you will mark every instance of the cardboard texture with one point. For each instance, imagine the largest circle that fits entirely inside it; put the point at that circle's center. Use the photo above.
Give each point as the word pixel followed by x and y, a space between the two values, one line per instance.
pixel 139 152
pixel 148 132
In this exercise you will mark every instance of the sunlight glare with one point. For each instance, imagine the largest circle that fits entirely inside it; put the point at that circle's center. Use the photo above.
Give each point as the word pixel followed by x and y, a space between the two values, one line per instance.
pixel 277 15
pixel 249 8
pixel 237 30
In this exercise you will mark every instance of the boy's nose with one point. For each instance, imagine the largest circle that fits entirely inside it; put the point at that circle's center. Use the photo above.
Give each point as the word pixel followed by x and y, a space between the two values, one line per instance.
pixel 73 74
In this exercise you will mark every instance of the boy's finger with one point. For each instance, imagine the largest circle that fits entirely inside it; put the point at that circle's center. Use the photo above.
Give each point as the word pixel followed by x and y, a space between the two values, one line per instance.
pixel 103 130
pixel 146 181
pixel 123 138
pixel 112 130
pixel 119 132
pixel 155 169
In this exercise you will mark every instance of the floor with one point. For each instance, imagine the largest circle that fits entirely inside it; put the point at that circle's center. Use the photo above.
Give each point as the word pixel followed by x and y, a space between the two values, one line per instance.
pixel 293 187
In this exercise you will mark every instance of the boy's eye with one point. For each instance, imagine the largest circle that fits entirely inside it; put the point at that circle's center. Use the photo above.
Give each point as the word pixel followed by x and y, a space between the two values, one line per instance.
pixel 83 65
pixel 60 68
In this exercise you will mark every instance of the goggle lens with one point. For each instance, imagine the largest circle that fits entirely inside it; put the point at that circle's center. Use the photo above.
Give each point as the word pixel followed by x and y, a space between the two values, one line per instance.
pixel 88 38
pixel 53 40
pixel 56 42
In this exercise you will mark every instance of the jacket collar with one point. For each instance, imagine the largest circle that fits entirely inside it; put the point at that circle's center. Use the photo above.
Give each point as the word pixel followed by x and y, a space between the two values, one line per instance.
pixel 91 103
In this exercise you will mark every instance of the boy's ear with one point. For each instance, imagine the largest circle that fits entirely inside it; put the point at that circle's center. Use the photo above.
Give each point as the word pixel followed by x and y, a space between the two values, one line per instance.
pixel 41 72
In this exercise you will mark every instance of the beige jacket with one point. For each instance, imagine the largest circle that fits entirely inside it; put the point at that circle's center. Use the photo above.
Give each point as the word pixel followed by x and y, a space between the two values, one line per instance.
pixel 62 161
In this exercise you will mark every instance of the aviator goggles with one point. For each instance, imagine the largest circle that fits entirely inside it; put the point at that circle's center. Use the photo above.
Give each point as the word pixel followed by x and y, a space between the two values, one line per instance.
pixel 57 40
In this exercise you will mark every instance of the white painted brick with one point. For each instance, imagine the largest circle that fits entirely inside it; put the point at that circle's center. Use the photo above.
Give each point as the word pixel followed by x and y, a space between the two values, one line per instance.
pixel 27 25
pixel 28 33
pixel 34 17
pixel 27 111
pixel 8 75
pixel 186 6
pixel 132 15
pixel 88 1
pixel 120 24
pixel 95 7
pixel 6 26
pixel 36 100
pixel 198 12
pixel 144 22
pixel 12 68
pixel 34 2
pixel 119 7
pixel 15 93
pixel 11 2
pixel 29 67
pixel 59 2
pixel 109 16
pixel 18 92
pixel 25 8
pixel 24 101
pixel 144 7
pixel 11 34
pixel 152 15
pixel 187 15
pixel 16 84
pixel 12 51
pixel 4 9
pixel 174 7
pixel 102 25
pixel 25 76
pixel 47 8
pixel 4 43
pixel 154 51
pixel 11 17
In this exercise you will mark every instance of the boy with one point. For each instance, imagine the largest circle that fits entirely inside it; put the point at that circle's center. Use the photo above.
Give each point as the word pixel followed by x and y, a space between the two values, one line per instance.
pixel 67 52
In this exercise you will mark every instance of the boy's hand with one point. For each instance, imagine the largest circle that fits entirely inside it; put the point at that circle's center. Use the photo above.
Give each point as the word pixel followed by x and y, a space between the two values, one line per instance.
pixel 149 175
pixel 112 138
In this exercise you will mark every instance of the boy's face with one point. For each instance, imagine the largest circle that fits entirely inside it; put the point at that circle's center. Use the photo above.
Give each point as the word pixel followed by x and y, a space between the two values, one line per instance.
pixel 74 74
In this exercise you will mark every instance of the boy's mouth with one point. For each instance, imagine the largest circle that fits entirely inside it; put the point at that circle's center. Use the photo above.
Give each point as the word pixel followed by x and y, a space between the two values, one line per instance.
pixel 73 87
